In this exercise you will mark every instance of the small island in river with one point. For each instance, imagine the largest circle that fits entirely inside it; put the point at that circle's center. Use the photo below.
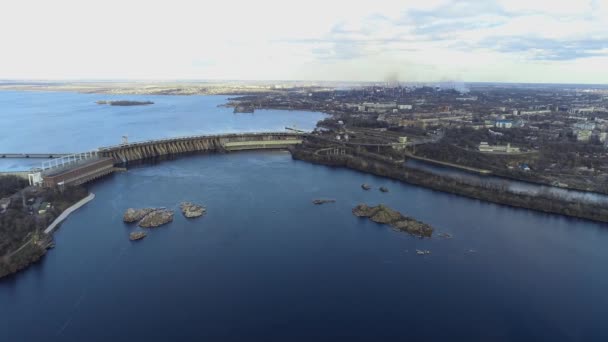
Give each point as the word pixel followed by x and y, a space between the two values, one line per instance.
pixel 191 210
pixel 386 215
pixel 148 217
pixel 124 103
pixel 323 201
pixel 137 236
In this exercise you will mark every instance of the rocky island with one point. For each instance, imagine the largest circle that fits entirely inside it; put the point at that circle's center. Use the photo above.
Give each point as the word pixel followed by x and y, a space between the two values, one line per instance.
pixel 148 217
pixel 243 109
pixel 191 210
pixel 134 215
pixel 386 215
pixel 137 236
pixel 156 218
pixel 124 103
pixel 323 201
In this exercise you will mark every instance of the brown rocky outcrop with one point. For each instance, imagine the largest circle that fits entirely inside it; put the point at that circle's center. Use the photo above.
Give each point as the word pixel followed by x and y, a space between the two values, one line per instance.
pixel 323 201
pixel 133 215
pixel 156 218
pixel 385 215
pixel 191 210
pixel 137 236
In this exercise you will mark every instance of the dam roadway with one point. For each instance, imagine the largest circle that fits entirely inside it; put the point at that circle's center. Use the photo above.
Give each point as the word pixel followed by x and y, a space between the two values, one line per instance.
pixel 125 153
pixel 83 167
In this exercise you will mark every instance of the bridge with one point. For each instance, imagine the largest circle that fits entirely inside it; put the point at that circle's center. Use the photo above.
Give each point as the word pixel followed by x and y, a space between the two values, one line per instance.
pixel 33 155
pixel 200 143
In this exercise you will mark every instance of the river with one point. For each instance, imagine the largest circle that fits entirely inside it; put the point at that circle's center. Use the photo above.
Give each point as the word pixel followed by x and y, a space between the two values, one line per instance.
pixel 265 264
pixel 509 184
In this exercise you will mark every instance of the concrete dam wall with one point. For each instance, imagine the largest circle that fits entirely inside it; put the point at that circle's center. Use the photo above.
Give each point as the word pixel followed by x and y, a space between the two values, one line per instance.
pixel 207 143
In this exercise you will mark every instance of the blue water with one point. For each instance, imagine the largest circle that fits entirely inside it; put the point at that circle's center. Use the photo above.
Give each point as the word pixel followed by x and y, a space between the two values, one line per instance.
pixel 266 264
pixel 509 184
pixel 64 122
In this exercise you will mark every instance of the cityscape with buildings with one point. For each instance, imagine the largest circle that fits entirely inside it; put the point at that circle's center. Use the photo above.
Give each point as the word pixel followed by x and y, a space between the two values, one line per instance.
pixel 295 171
pixel 553 134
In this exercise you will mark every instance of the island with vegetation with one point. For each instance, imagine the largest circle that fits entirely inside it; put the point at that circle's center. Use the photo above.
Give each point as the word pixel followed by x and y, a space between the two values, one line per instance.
pixel 124 103
pixel 25 212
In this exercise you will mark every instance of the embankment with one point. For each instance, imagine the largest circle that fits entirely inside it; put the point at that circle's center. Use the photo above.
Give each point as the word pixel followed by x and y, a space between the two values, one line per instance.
pixel 377 165
pixel 67 212
pixel 24 236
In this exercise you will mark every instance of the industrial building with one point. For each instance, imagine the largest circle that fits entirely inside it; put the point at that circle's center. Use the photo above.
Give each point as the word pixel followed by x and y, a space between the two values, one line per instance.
pixel 485 147
pixel 83 172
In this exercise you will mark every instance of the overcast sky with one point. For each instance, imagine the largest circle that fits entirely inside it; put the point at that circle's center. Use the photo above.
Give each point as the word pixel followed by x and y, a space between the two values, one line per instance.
pixel 428 40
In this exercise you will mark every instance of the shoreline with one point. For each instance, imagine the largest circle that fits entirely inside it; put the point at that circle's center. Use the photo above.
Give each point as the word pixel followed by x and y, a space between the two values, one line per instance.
pixel 384 168
pixel 66 213
pixel 446 185
pixel 36 247
pixel 375 165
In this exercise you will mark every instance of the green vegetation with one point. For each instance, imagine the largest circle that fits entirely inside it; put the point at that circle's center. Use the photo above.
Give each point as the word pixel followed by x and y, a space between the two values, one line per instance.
pixel 22 240
pixel 383 166
pixel 11 184
pixel 564 160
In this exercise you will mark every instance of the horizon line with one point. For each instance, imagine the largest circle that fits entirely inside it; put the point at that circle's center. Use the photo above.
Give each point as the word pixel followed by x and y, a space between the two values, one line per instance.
pixel 198 80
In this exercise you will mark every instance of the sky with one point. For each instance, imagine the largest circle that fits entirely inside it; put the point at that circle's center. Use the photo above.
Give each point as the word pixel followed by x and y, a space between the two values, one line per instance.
pixel 558 41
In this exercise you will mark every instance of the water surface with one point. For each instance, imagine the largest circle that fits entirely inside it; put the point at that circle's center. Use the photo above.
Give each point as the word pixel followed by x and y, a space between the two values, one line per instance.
pixel 509 184
pixel 266 264
pixel 65 122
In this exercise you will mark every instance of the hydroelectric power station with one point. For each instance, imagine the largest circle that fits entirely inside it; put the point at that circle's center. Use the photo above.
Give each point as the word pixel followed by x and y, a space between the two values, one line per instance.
pixel 79 168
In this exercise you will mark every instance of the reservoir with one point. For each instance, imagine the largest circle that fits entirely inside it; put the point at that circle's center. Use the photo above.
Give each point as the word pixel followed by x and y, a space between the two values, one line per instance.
pixel 64 122
pixel 266 264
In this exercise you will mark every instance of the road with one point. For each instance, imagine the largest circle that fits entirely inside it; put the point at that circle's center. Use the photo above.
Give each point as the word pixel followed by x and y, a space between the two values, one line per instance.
pixel 68 211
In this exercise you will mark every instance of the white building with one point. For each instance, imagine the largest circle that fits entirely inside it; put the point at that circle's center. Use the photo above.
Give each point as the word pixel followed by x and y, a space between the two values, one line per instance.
pixel 485 147
pixel 583 135
pixel 584 126
pixel 504 124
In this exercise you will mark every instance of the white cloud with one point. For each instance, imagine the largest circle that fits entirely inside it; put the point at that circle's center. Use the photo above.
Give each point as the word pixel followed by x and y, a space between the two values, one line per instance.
pixel 500 40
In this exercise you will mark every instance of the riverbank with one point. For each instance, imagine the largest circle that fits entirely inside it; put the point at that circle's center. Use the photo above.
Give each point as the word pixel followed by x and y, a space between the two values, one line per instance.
pixel 27 224
pixel 68 212
pixel 381 166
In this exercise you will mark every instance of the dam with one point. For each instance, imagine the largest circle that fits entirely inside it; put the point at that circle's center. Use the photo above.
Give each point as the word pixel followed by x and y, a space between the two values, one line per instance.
pixel 125 153
pixel 84 167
